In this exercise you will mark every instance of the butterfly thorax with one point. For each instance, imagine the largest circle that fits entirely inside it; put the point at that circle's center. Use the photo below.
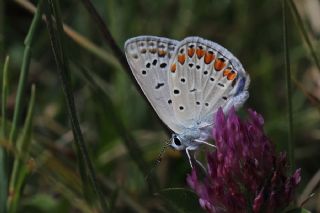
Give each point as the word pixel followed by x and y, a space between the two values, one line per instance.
pixel 187 139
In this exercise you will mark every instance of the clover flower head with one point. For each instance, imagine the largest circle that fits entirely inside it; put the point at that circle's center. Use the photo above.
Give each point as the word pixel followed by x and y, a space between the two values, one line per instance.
pixel 243 171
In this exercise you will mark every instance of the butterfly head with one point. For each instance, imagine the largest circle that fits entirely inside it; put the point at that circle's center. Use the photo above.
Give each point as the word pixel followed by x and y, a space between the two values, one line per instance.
pixel 184 140
pixel 176 142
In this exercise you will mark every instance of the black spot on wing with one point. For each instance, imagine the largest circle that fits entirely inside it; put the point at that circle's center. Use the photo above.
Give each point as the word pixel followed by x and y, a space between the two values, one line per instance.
pixel 163 65
pixel 154 62
pixel 159 85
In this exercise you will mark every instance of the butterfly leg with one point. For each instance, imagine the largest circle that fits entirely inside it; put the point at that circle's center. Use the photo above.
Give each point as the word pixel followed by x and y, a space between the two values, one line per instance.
pixel 204 142
pixel 199 163
pixel 189 158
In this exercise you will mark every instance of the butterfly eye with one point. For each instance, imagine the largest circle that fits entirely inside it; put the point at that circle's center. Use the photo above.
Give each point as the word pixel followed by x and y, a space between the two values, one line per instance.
pixel 176 141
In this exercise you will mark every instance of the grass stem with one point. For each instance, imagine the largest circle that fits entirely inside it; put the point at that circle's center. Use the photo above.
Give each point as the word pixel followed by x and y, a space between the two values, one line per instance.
pixel 3 137
pixel 290 145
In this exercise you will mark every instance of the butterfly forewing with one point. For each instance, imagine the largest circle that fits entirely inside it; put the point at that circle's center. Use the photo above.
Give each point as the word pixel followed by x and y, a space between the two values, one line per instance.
pixel 149 57
pixel 206 77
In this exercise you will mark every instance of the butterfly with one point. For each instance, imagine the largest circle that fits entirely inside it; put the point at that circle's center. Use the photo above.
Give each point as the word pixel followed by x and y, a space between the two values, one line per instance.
pixel 186 82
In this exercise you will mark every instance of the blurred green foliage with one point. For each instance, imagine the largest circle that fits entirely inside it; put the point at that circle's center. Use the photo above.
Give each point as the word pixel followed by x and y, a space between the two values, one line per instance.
pixel 251 30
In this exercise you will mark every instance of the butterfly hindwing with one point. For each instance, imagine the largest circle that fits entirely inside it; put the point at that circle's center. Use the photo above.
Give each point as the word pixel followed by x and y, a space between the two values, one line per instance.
pixel 204 76
pixel 149 57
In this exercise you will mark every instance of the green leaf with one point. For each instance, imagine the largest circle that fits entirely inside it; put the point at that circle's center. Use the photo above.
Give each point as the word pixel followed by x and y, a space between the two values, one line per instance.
pixel 181 200
pixel 298 210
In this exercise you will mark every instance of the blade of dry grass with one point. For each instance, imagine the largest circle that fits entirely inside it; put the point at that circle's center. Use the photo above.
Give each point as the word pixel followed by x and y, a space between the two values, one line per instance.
pixel 78 38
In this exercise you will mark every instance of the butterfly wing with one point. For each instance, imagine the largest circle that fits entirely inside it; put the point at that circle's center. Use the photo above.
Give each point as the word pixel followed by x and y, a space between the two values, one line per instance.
pixel 149 57
pixel 203 77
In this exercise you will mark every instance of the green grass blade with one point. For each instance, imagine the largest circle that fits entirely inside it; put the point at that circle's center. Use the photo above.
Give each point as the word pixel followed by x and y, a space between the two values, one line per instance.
pixel 64 74
pixel 30 38
pixel 20 93
pixel 304 33
pixel 3 136
pixel 3 129
pixel 2 26
pixel 290 145
pixel 20 171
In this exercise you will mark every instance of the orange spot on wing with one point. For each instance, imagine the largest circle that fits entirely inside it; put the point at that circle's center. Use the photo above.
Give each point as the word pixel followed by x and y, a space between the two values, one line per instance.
pixel 219 64
pixel 173 67
pixel 200 53
pixel 232 75
pixel 162 53
pixel 209 57
pixel 181 59
pixel 191 52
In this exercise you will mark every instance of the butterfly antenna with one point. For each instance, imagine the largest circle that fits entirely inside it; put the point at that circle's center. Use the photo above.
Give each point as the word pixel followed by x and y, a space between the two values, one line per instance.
pixel 159 158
